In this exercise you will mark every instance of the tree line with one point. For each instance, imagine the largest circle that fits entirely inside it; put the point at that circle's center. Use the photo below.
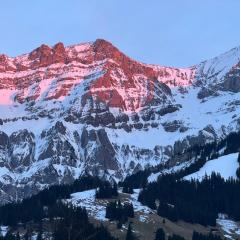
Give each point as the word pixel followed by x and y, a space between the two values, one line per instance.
pixel 107 190
pixel 200 153
pixel 193 201
pixel 160 235
pixel 116 211
pixel 34 207
pixel 69 222
pixel 238 169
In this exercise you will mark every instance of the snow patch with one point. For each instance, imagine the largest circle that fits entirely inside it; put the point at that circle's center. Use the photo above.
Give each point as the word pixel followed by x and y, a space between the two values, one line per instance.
pixel 228 226
pixel 226 166
pixel 86 199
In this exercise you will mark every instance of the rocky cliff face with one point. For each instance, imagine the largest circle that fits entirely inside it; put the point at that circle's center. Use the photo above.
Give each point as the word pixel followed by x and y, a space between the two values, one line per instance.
pixel 88 108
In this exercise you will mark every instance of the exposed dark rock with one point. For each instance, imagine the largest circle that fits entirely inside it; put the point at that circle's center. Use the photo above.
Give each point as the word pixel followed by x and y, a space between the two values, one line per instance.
pixel 45 55
pixel 148 115
pixel 207 92
pixel 232 83
pixel 60 127
pixel 4 140
pixel 183 129
pixel 122 118
pixel 135 117
pixel 169 109
pixel 92 135
pixel 138 125
pixel 126 127
pixel 22 147
pixel 84 138
pixel 172 126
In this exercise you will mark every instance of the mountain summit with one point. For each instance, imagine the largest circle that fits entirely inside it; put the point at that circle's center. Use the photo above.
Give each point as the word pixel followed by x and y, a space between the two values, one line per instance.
pixel 117 81
pixel 90 109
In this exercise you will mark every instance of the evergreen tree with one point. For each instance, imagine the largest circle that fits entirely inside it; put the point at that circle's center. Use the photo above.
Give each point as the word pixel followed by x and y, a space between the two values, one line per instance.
pixel 130 210
pixel 119 224
pixel 119 204
pixel 102 234
pixel 127 189
pixel 117 211
pixel 18 236
pixel 130 235
pixel 137 180
pixel 160 234
pixel 106 190
pixel 111 212
pixel 115 190
pixel 238 173
pixel 168 211
pixel 199 236
pixel 39 236
pixel 26 236
pixel 176 237
pixel 9 236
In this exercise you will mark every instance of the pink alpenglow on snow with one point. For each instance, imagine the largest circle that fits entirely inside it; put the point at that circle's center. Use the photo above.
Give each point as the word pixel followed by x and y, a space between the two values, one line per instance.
pixel 53 73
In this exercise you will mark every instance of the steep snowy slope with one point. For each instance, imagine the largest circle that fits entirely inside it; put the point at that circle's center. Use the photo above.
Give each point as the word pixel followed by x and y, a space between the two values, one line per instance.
pixel 225 166
pixel 88 108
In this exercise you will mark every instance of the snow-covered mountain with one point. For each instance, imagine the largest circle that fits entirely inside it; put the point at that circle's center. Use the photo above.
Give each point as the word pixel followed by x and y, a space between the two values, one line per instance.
pixel 88 108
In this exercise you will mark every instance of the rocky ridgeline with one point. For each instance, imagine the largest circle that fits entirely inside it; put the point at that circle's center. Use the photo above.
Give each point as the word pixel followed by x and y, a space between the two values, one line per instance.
pixel 90 109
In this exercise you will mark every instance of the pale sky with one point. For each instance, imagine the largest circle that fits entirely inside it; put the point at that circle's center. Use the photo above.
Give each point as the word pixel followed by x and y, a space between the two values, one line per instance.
pixel 167 32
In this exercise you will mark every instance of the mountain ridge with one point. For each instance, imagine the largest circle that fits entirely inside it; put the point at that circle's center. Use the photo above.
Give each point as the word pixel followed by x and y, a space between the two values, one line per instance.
pixel 90 109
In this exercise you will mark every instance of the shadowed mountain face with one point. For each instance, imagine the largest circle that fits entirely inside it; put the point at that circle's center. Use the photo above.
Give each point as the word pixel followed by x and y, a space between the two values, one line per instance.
pixel 88 108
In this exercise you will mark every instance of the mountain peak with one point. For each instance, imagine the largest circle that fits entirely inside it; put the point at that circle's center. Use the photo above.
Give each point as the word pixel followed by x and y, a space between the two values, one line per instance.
pixel 45 55
pixel 104 49
pixel 120 81
pixel 116 80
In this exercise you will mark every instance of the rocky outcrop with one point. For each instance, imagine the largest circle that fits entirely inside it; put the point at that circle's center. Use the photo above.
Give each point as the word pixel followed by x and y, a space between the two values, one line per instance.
pixel 45 55
pixel 102 156
pixel 4 143
pixel 21 149
pixel 232 80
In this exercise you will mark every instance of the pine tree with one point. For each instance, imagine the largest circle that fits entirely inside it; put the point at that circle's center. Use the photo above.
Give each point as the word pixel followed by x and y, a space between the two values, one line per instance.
pixel 119 204
pixel 200 236
pixel 106 190
pixel 238 173
pixel 127 189
pixel 39 236
pixel 26 236
pixel 111 210
pixel 130 210
pixel 117 211
pixel 18 236
pixel 175 237
pixel 115 190
pixel 9 236
pixel 130 235
pixel 160 234
pixel 119 224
